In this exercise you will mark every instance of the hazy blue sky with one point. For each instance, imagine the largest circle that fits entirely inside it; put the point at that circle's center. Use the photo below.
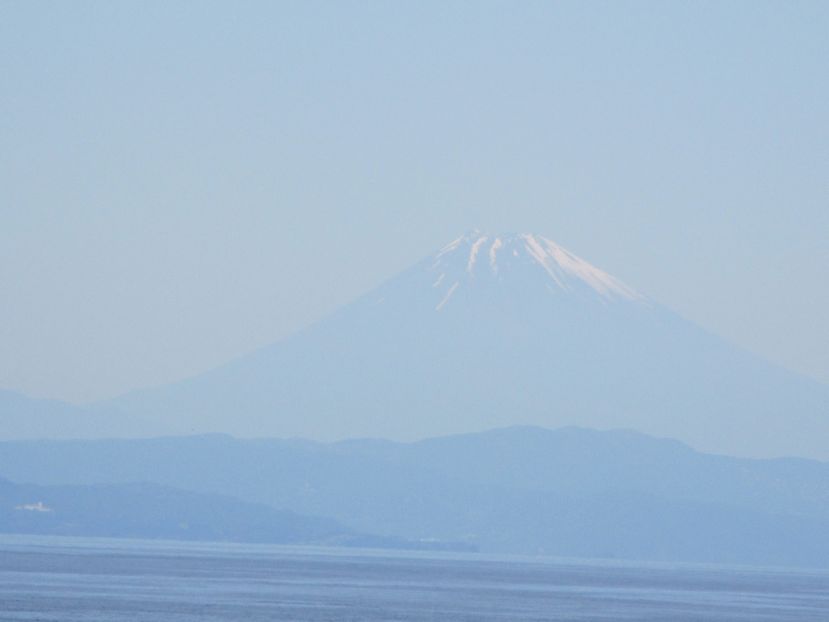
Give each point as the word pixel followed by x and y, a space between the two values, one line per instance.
pixel 180 184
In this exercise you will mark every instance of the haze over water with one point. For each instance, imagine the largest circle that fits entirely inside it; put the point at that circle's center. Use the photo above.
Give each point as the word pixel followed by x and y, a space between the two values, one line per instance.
pixel 51 579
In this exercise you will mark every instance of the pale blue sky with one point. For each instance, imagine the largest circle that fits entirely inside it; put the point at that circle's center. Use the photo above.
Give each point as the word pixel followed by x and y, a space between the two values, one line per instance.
pixel 181 184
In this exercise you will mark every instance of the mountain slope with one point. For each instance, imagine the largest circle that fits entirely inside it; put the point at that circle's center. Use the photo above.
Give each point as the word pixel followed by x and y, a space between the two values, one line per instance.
pixel 154 511
pixel 148 510
pixel 25 417
pixel 501 331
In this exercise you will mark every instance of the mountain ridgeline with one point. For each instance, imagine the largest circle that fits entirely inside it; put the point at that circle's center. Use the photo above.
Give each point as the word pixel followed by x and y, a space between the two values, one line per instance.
pixel 571 492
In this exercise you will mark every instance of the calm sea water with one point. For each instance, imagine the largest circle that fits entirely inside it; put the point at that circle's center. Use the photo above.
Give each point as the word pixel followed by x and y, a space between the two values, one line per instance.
pixel 94 579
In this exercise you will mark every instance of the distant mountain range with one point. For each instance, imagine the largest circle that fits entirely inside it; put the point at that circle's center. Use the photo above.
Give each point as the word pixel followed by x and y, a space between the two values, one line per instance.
pixel 571 491
pixel 489 331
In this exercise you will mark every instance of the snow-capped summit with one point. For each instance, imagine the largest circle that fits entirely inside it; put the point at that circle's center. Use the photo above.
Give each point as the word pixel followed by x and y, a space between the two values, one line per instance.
pixel 476 255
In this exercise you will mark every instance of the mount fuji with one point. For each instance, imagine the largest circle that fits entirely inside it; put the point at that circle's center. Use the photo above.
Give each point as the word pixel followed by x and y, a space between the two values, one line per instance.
pixel 494 331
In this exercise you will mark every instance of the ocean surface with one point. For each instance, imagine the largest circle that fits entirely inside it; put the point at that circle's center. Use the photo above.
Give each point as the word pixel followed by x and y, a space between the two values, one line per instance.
pixel 49 578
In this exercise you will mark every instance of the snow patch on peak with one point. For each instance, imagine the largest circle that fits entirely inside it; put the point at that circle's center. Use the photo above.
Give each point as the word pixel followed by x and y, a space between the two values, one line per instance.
pixel 447 296
pixel 538 253
pixel 473 253
pixel 450 247
pixel 492 252
pixel 558 261
pixel 599 280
